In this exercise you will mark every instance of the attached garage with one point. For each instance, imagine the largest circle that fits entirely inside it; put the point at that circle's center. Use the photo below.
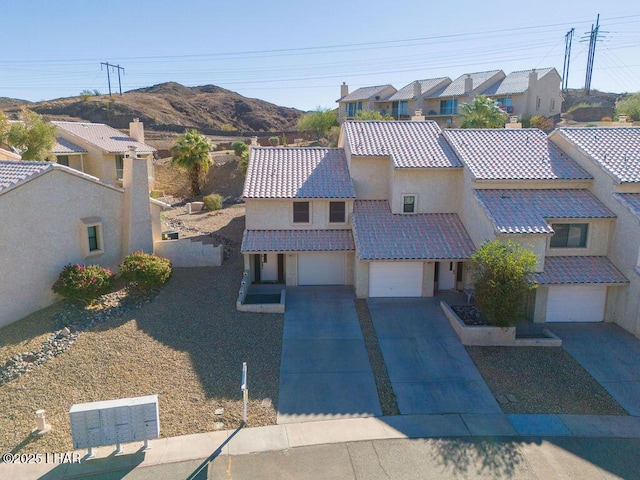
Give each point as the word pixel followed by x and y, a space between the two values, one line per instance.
pixel 321 268
pixel 576 303
pixel 395 279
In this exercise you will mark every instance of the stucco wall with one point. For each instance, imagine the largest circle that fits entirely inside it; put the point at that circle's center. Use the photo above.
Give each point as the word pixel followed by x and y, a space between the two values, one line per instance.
pixel 371 177
pixel 42 232
pixel 361 278
pixel 438 190
pixel 278 215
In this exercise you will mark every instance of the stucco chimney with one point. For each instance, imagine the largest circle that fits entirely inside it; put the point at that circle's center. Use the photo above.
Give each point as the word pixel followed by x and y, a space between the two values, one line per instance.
pixel 418 117
pixel 136 130
pixel 533 78
pixel 468 84
pixel 137 234
pixel 344 90
pixel 417 89
pixel 254 142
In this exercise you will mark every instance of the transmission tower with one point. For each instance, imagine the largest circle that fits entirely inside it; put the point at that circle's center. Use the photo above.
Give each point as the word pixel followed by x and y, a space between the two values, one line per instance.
pixel 113 67
pixel 568 38
pixel 593 39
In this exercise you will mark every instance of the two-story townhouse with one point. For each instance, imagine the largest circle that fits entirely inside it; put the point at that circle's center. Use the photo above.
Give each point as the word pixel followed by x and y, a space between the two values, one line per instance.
pixel 299 203
pixel 410 98
pixel 365 98
pixel 612 157
pixel 518 185
pixel 443 104
pixel 99 150
pixel 528 92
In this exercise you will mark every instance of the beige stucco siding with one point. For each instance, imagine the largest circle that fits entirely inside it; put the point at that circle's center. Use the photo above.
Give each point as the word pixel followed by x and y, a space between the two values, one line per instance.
pixel 35 251
pixel 277 214
pixel 371 177
pixel 438 191
pixel 478 225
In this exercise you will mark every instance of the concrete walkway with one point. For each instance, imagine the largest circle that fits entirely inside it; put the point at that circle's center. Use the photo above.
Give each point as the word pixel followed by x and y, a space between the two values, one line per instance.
pixel 324 371
pixel 610 355
pixel 430 370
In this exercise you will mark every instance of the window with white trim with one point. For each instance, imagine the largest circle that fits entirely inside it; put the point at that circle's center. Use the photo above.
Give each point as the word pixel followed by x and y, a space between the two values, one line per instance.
pixel 409 203
pixel 337 212
pixel 569 235
pixel 301 212
pixel 92 238
pixel 353 108
pixel 119 166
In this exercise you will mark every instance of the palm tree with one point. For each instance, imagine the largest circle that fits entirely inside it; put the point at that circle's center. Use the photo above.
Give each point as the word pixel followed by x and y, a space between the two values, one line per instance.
pixel 191 152
pixel 482 113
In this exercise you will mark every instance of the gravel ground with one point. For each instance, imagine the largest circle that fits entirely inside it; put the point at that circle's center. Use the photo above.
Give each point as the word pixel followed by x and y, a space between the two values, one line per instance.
pixel 187 346
pixel 541 380
pixel 388 401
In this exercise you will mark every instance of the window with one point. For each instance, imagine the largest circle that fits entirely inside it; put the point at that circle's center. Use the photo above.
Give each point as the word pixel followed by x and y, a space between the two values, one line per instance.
pixel 408 203
pixel 569 235
pixel 553 105
pixel 538 103
pixel 300 212
pixel 449 107
pixel 337 212
pixel 119 166
pixel 92 243
pixel 353 108
pixel 399 108
pixel 63 160
pixel 505 104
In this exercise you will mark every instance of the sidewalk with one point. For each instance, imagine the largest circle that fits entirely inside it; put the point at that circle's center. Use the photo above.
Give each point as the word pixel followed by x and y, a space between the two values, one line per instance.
pixel 282 437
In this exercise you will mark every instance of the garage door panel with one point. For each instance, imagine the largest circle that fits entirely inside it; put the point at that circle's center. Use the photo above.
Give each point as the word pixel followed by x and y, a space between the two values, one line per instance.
pixel 321 269
pixel 395 279
pixel 576 303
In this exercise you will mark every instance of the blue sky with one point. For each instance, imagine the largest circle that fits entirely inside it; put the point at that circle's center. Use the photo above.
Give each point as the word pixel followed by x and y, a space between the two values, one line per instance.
pixel 296 53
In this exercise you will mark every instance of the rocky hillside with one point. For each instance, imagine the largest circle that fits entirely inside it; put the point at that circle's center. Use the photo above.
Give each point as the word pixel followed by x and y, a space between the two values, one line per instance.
pixel 169 107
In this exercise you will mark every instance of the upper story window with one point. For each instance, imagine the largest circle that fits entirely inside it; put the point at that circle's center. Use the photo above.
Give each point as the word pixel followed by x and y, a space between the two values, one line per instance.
pixel 409 204
pixel 301 212
pixel 399 109
pixel 119 166
pixel 569 235
pixel 62 160
pixel 538 103
pixel 552 107
pixel 337 212
pixel 353 108
pixel 449 107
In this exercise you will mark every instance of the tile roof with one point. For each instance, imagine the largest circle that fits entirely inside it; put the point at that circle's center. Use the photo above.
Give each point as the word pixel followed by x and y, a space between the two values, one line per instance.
pixel 409 144
pixel 571 270
pixel 527 211
pixel 456 88
pixel 103 136
pixel 382 235
pixel 406 92
pixel 297 241
pixel 616 150
pixel 297 172
pixel 64 146
pixel 13 173
pixel 515 82
pixel 365 93
pixel 631 201
pixel 512 154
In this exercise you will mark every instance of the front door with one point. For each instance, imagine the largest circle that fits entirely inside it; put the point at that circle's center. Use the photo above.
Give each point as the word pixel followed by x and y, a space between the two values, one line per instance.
pixel 446 275
pixel 269 270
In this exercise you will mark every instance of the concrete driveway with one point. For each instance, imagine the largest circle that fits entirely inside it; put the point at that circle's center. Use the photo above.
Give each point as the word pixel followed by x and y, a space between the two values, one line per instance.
pixel 325 371
pixel 430 370
pixel 609 354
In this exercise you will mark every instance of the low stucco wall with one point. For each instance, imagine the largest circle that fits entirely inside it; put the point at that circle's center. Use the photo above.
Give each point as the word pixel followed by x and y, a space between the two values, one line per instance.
pixel 187 253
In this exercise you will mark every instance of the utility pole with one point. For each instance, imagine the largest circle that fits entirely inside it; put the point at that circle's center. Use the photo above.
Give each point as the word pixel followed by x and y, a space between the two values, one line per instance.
pixel 568 38
pixel 113 67
pixel 593 39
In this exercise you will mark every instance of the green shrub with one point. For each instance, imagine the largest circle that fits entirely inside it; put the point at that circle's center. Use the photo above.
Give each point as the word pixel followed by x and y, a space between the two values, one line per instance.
pixel 274 141
pixel 213 202
pixel 145 272
pixel 239 147
pixel 83 283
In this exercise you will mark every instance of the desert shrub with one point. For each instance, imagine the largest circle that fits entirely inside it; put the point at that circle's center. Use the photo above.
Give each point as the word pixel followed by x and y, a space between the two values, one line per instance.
pixel 274 141
pixel 145 272
pixel 606 119
pixel 213 202
pixel 83 283
pixel 543 123
pixel 239 147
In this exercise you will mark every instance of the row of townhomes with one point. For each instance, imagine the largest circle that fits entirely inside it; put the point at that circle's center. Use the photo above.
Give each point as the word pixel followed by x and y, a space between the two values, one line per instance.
pixel 522 93
pixel 399 207
pixel 91 206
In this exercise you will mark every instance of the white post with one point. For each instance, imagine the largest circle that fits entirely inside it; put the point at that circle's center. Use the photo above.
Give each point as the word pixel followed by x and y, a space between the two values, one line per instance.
pixel 245 392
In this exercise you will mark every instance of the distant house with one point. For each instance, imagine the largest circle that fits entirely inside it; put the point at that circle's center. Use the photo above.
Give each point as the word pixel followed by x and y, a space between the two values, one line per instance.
pixel 403 104
pixel 52 215
pixel 365 99
pixel 99 150
pixel 399 207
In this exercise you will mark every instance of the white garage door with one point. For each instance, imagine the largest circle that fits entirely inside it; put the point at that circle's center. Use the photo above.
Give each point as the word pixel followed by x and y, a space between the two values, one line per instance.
pixel 395 279
pixel 321 269
pixel 576 303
